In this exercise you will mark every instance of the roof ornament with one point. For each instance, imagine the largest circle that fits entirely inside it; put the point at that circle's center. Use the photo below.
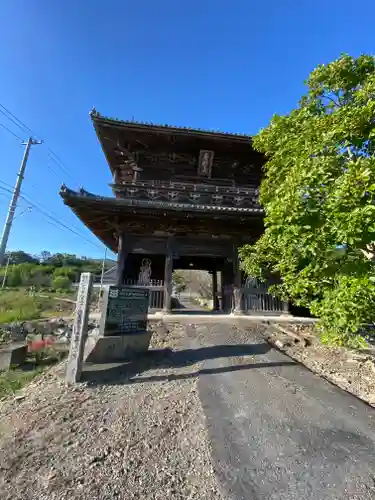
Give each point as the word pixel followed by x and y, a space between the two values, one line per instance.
pixel 83 192
pixel 64 190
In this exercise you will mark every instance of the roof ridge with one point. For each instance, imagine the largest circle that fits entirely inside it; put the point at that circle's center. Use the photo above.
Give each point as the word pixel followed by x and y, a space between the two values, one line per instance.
pixel 94 114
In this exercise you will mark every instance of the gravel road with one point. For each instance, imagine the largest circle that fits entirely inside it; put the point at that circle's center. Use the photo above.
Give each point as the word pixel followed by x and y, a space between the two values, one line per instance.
pixel 140 440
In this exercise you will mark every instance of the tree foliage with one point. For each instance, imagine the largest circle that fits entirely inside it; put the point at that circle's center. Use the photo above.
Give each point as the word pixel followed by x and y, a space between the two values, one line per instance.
pixel 25 270
pixel 318 194
pixel 21 257
pixel 61 283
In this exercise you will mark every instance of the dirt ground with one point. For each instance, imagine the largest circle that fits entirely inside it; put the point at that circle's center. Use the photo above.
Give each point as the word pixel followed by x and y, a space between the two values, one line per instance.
pixel 353 371
pixel 109 438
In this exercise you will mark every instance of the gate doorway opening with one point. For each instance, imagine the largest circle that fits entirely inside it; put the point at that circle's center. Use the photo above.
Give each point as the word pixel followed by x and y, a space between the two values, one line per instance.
pixel 197 283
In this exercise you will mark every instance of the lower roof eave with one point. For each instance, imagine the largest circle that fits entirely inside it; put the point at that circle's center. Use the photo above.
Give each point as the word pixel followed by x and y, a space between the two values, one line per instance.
pixel 73 199
pixel 103 216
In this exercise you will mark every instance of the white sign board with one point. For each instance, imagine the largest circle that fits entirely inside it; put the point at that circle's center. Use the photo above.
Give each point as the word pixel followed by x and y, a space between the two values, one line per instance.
pixel 79 333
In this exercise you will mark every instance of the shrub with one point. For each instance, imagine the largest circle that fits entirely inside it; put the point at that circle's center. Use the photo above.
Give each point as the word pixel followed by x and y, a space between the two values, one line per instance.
pixel 14 277
pixel 344 309
pixel 61 283
pixel 68 272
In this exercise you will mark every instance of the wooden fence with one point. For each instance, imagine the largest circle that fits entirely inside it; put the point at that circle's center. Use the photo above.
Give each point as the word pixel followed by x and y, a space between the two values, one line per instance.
pixel 156 288
pixel 255 300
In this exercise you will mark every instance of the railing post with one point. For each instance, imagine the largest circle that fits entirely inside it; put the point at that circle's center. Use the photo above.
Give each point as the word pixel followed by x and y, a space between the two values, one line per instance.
pixel 285 307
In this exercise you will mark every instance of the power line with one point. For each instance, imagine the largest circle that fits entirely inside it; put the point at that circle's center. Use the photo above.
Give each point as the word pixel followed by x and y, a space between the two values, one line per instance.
pixel 54 217
pixel 51 170
pixel 27 198
pixel 57 224
pixel 20 124
pixel 53 220
pixel 53 156
pixel 7 129
pixel 6 184
pixel 11 119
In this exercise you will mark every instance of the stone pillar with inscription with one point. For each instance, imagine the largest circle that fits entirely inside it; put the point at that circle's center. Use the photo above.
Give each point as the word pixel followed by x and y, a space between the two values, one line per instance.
pixel 79 333
pixel 237 283
pixel 168 279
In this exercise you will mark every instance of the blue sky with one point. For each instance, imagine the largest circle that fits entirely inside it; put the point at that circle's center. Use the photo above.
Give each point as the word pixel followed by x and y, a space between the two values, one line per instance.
pixel 209 63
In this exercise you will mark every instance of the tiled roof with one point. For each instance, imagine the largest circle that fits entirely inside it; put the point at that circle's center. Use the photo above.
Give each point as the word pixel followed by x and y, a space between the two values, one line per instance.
pixel 95 116
pixel 85 196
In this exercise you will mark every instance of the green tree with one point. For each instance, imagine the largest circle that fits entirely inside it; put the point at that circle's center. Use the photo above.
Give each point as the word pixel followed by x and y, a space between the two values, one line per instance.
pixel 70 272
pixel 21 257
pixel 318 194
pixel 61 283
pixel 45 255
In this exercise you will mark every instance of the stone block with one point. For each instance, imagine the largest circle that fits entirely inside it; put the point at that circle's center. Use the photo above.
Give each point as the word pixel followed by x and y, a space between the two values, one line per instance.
pixel 110 349
pixel 12 355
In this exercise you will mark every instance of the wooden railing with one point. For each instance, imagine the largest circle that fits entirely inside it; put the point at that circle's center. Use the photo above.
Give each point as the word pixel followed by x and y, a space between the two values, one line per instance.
pixel 190 192
pixel 156 287
pixel 255 301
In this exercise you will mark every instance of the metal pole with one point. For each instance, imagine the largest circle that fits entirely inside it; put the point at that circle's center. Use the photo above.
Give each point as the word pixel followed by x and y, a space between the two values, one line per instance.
pixel 102 276
pixel 13 203
pixel 5 273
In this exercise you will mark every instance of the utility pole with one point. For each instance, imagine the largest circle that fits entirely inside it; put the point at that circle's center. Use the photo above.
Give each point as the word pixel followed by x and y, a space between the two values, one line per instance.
pixel 13 204
pixel 6 272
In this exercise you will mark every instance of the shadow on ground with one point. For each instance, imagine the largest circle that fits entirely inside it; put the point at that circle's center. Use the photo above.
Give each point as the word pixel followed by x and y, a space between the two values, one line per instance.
pixel 131 372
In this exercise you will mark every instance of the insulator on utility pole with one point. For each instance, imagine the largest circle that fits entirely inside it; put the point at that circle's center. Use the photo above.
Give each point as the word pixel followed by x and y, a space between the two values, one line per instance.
pixel 13 204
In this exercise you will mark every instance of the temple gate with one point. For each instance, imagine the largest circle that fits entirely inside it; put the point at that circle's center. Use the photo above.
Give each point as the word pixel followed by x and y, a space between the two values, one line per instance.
pixel 183 198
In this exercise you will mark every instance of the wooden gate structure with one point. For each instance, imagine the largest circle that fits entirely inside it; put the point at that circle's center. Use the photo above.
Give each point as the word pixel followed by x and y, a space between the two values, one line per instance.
pixel 182 199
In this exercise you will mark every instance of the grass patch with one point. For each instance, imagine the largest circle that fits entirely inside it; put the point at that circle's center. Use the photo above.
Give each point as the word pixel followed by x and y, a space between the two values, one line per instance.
pixel 19 305
pixel 13 380
pixel 17 378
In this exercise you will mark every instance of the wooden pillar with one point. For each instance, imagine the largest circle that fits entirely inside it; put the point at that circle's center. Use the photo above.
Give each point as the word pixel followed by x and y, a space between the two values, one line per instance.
pixel 168 270
pixel 222 281
pixel 237 283
pixel 226 284
pixel 122 252
pixel 215 299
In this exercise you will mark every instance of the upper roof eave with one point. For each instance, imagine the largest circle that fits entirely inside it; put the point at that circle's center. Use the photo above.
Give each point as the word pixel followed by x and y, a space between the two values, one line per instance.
pixel 98 119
